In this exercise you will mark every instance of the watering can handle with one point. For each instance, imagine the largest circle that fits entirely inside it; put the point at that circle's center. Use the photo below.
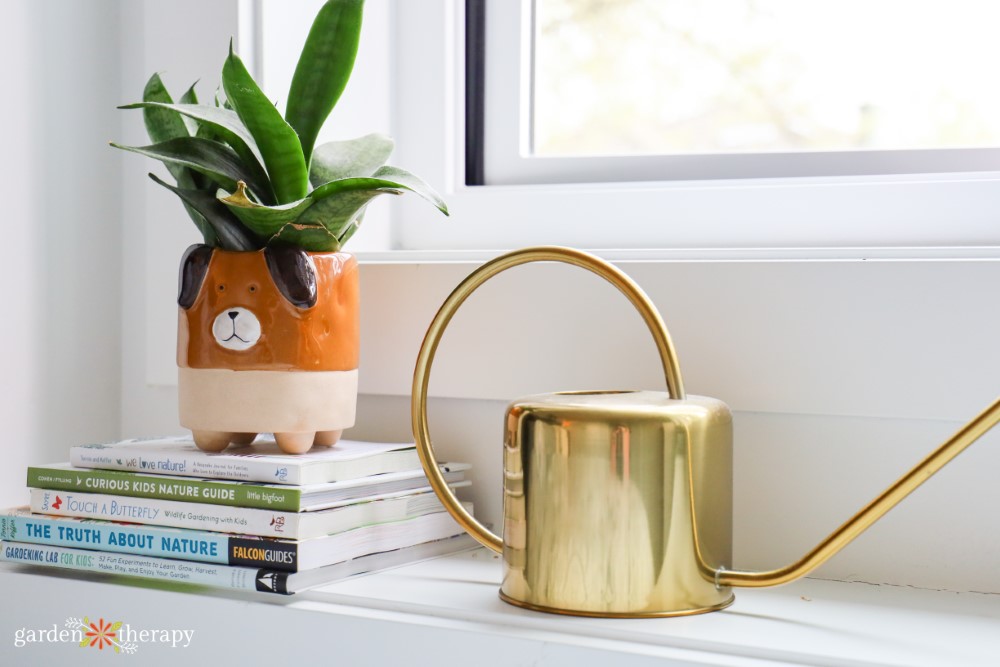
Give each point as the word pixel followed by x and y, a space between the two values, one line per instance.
pixel 421 375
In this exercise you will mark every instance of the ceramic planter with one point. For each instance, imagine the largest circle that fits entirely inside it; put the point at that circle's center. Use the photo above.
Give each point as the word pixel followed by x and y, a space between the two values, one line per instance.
pixel 267 341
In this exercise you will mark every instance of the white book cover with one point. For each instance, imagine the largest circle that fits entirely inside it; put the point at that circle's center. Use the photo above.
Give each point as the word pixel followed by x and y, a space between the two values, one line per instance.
pixel 226 519
pixel 261 461
pixel 222 576
pixel 329 549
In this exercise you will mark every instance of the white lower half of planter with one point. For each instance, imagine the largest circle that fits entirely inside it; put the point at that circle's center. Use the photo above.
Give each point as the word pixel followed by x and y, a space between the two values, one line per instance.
pixel 213 399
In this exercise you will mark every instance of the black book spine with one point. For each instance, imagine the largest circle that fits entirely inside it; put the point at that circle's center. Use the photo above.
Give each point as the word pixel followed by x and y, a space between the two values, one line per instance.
pixel 269 581
pixel 270 554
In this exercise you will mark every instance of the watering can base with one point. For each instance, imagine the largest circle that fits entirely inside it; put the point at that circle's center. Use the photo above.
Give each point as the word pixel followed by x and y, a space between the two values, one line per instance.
pixel 613 614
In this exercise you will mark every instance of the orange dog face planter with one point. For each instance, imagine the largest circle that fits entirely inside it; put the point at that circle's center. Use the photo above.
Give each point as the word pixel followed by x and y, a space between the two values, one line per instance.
pixel 267 341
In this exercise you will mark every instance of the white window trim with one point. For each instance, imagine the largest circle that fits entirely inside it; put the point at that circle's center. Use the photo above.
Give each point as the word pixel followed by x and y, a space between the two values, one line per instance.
pixel 862 213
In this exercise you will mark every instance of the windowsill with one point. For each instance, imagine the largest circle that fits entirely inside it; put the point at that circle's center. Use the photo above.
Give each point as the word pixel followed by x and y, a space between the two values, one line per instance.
pixel 888 253
pixel 447 611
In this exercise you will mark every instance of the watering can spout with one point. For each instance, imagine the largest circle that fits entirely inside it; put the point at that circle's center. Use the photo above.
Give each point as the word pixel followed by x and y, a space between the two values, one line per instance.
pixel 872 512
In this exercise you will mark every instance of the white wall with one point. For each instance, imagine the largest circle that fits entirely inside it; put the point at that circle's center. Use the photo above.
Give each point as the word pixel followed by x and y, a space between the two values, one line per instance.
pixel 20 365
pixel 156 229
pixel 62 329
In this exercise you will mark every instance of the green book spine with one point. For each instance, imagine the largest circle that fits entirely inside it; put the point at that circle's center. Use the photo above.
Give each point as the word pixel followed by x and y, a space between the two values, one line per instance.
pixel 274 497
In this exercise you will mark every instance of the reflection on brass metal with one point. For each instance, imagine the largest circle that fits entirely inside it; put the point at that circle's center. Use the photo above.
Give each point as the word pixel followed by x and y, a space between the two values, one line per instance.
pixel 619 503
pixel 598 514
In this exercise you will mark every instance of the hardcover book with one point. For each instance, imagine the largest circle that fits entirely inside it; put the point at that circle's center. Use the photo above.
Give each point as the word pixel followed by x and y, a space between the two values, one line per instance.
pixel 346 515
pixel 64 477
pixel 20 525
pixel 261 461
pixel 223 576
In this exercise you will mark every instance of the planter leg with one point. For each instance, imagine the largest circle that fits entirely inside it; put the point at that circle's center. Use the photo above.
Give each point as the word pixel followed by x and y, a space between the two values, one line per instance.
pixel 243 438
pixel 212 441
pixel 295 443
pixel 327 438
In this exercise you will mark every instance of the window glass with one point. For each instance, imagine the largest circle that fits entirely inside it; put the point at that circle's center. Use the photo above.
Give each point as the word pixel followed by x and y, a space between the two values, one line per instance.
pixel 633 77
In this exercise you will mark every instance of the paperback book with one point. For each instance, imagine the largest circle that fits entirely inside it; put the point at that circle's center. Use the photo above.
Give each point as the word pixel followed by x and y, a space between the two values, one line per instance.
pixel 261 461
pixel 224 576
pixel 346 515
pixel 20 525
pixel 64 477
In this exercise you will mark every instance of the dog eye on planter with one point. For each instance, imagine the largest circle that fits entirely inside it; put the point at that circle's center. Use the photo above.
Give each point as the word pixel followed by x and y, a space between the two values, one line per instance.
pixel 252 289
pixel 221 287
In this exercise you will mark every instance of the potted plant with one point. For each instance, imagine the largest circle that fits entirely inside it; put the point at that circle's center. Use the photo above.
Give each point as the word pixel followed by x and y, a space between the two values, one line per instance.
pixel 268 322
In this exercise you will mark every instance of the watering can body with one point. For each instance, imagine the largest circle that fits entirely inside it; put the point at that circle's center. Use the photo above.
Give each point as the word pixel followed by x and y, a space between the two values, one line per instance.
pixel 601 515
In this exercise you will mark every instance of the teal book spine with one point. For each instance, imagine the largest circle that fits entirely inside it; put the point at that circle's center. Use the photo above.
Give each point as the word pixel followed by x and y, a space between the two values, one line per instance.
pixel 193 545
pixel 159 487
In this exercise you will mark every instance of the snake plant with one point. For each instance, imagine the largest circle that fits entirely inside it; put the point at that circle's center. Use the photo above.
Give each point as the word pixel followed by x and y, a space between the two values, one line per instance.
pixel 249 177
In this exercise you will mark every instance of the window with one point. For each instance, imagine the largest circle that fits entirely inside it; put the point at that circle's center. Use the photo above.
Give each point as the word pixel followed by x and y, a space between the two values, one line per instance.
pixel 822 176
pixel 747 88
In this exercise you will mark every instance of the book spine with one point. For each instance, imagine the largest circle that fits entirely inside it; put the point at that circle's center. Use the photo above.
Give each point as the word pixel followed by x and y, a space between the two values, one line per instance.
pixel 147 567
pixel 247 469
pixel 196 545
pixel 165 488
pixel 148 511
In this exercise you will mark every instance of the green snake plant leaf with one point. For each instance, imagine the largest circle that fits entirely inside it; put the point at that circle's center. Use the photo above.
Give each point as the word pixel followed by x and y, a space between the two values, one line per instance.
pixel 264 221
pixel 338 215
pixel 162 125
pixel 217 161
pixel 349 231
pixel 190 97
pixel 220 99
pixel 279 145
pixel 223 125
pixel 404 180
pixel 221 119
pixel 323 69
pixel 227 230
pixel 311 237
pixel 316 222
pixel 356 157
pixel 336 203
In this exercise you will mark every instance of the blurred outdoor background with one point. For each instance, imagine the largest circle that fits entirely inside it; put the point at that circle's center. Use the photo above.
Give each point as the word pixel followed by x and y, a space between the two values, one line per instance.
pixel 620 77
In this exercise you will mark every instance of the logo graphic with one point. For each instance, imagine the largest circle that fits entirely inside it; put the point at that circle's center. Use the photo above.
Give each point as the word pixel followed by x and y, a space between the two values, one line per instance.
pixel 57 504
pixel 279 523
pixel 266 581
pixel 100 634
pixel 121 638
pixel 281 473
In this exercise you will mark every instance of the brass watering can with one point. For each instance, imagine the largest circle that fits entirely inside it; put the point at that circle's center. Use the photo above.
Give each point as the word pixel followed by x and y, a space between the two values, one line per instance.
pixel 619 503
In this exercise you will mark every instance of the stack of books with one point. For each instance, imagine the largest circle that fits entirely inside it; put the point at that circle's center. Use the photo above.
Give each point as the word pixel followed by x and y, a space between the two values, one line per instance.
pixel 247 518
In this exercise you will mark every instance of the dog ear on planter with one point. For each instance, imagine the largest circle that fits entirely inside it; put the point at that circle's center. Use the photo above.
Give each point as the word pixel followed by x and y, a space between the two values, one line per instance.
pixel 293 273
pixel 194 267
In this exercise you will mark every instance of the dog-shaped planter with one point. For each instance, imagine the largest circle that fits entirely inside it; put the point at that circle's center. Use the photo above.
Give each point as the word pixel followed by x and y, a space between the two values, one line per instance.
pixel 267 341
